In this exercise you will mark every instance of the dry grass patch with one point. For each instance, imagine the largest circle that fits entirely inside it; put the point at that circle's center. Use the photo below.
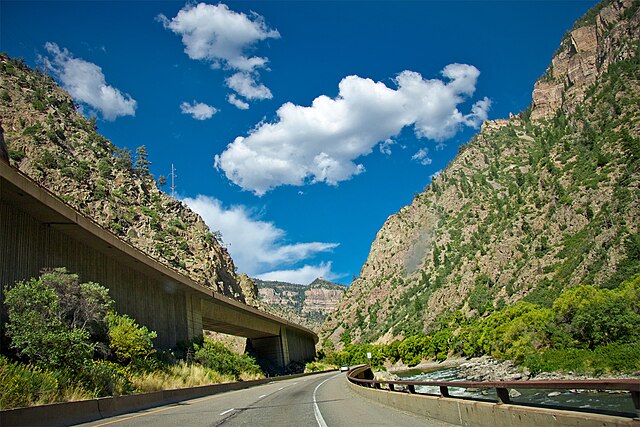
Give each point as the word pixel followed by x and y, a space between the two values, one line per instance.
pixel 178 376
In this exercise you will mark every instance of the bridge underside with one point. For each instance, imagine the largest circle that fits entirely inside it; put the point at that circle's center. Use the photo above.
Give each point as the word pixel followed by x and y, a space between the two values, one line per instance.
pixel 38 231
pixel 273 344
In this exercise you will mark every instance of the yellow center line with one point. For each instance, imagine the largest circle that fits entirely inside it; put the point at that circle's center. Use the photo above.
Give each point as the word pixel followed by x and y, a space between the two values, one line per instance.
pixel 190 402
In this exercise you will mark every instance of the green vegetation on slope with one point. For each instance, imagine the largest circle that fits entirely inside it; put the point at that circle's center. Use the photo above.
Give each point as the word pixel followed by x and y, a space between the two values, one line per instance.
pixel 59 148
pixel 527 209
pixel 68 344
pixel 586 330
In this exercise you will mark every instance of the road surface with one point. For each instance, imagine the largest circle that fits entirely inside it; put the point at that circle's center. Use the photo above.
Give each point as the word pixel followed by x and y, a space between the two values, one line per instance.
pixel 322 400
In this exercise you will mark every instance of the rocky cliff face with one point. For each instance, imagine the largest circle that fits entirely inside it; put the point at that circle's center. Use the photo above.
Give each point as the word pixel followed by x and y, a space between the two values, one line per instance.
pixel 547 199
pixel 48 140
pixel 321 300
pixel 306 305
pixel 597 40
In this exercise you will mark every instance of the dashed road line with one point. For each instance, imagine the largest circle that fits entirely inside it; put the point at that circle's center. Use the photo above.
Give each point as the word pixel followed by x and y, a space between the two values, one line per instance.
pixel 227 411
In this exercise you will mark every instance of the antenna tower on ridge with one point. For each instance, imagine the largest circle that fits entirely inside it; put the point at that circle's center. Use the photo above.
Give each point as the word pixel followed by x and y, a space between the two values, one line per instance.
pixel 173 181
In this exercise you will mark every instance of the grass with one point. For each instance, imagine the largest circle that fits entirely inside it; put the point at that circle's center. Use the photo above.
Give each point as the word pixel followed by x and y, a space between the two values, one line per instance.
pixel 180 375
pixel 318 366
pixel 24 385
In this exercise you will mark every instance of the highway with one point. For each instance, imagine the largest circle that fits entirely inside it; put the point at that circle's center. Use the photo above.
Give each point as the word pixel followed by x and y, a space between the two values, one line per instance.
pixel 322 400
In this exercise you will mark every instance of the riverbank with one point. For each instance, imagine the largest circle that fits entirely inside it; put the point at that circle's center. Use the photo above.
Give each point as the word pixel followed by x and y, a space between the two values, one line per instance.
pixel 486 368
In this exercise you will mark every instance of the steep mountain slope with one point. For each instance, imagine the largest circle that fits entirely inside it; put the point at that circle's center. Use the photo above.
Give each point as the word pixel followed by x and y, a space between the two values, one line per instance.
pixel 55 145
pixel 307 305
pixel 545 200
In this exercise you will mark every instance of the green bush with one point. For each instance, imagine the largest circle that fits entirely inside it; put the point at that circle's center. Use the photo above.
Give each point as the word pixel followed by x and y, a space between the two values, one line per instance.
pixel 103 378
pixel 37 325
pixel 129 342
pixel 480 297
pixel 596 316
pixel 214 355
pixel 24 385
pixel 17 154
pixel 318 366
pixel 604 359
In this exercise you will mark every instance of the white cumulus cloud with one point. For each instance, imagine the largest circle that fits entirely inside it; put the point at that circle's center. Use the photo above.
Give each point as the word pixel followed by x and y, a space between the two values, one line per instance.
pixel 385 146
pixel 303 275
pixel 86 83
pixel 422 156
pixel 198 110
pixel 246 85
pixel 237 102
pixel 256 246
pixel 322 142
pixel 222 37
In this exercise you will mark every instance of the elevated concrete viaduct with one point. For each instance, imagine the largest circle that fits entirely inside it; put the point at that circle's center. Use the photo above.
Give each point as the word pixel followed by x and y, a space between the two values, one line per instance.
pixel 38 230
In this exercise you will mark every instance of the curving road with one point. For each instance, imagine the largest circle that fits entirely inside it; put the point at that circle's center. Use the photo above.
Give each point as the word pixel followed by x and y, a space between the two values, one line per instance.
pixel 322 400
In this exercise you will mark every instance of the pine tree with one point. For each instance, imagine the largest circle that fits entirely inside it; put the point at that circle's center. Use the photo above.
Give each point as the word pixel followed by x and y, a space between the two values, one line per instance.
pixel 142 164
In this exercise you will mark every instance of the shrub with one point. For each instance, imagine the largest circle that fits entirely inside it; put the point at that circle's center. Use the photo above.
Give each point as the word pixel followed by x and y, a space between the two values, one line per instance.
pixel 599 316
pixel 24 385
pixel 104 168
pixel 102 378
pixel 480 297
pixel 130 343
pixel 318 366
pixel 604 359
pixel 16 155
pixel 37 325
pixel 214 355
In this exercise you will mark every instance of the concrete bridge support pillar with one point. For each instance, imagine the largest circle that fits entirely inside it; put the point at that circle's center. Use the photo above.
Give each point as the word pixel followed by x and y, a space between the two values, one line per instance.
pixel 268 353
pixel 194 316
pixel 276 352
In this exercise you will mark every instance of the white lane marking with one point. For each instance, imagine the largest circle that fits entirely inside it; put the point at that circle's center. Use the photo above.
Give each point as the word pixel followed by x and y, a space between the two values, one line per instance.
pixel 316 409
pixel 227 411
pixel 264 395
pixel 281 388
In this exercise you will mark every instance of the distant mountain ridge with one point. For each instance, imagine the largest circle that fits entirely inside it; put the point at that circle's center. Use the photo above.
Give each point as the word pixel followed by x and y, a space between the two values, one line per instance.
pixel 52 143
pixel 545 200
pixel 308 305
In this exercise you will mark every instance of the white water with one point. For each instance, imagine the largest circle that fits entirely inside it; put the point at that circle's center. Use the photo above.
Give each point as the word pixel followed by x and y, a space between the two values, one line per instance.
pixel 614 402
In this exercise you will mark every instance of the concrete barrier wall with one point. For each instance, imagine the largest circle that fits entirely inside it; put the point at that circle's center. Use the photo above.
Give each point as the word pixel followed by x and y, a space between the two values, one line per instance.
pixel 67 413
pixel 27 246
pixel 485 414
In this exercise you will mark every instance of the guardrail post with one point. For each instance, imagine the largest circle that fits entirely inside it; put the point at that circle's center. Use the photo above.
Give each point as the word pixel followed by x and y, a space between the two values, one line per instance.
pixel 376 386
pixel 503 395
pixel 444 391
pixel 412 388
pixel 391 387
pixel 635 395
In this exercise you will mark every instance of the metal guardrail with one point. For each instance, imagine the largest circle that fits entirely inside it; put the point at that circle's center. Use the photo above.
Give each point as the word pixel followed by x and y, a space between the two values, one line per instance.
pixel 363 376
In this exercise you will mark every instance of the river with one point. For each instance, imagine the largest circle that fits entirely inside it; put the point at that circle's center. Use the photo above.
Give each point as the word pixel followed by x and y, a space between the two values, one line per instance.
pixel 618 402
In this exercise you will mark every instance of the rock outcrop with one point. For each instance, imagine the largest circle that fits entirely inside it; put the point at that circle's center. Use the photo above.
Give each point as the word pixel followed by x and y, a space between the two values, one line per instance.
pixel 307 305
pixel 585 53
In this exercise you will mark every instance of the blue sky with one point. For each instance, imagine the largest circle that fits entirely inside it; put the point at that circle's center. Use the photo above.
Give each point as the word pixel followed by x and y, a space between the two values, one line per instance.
pixel 296 127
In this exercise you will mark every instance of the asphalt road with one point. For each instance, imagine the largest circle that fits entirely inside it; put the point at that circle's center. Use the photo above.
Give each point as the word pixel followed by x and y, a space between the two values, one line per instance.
pixel 322 400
